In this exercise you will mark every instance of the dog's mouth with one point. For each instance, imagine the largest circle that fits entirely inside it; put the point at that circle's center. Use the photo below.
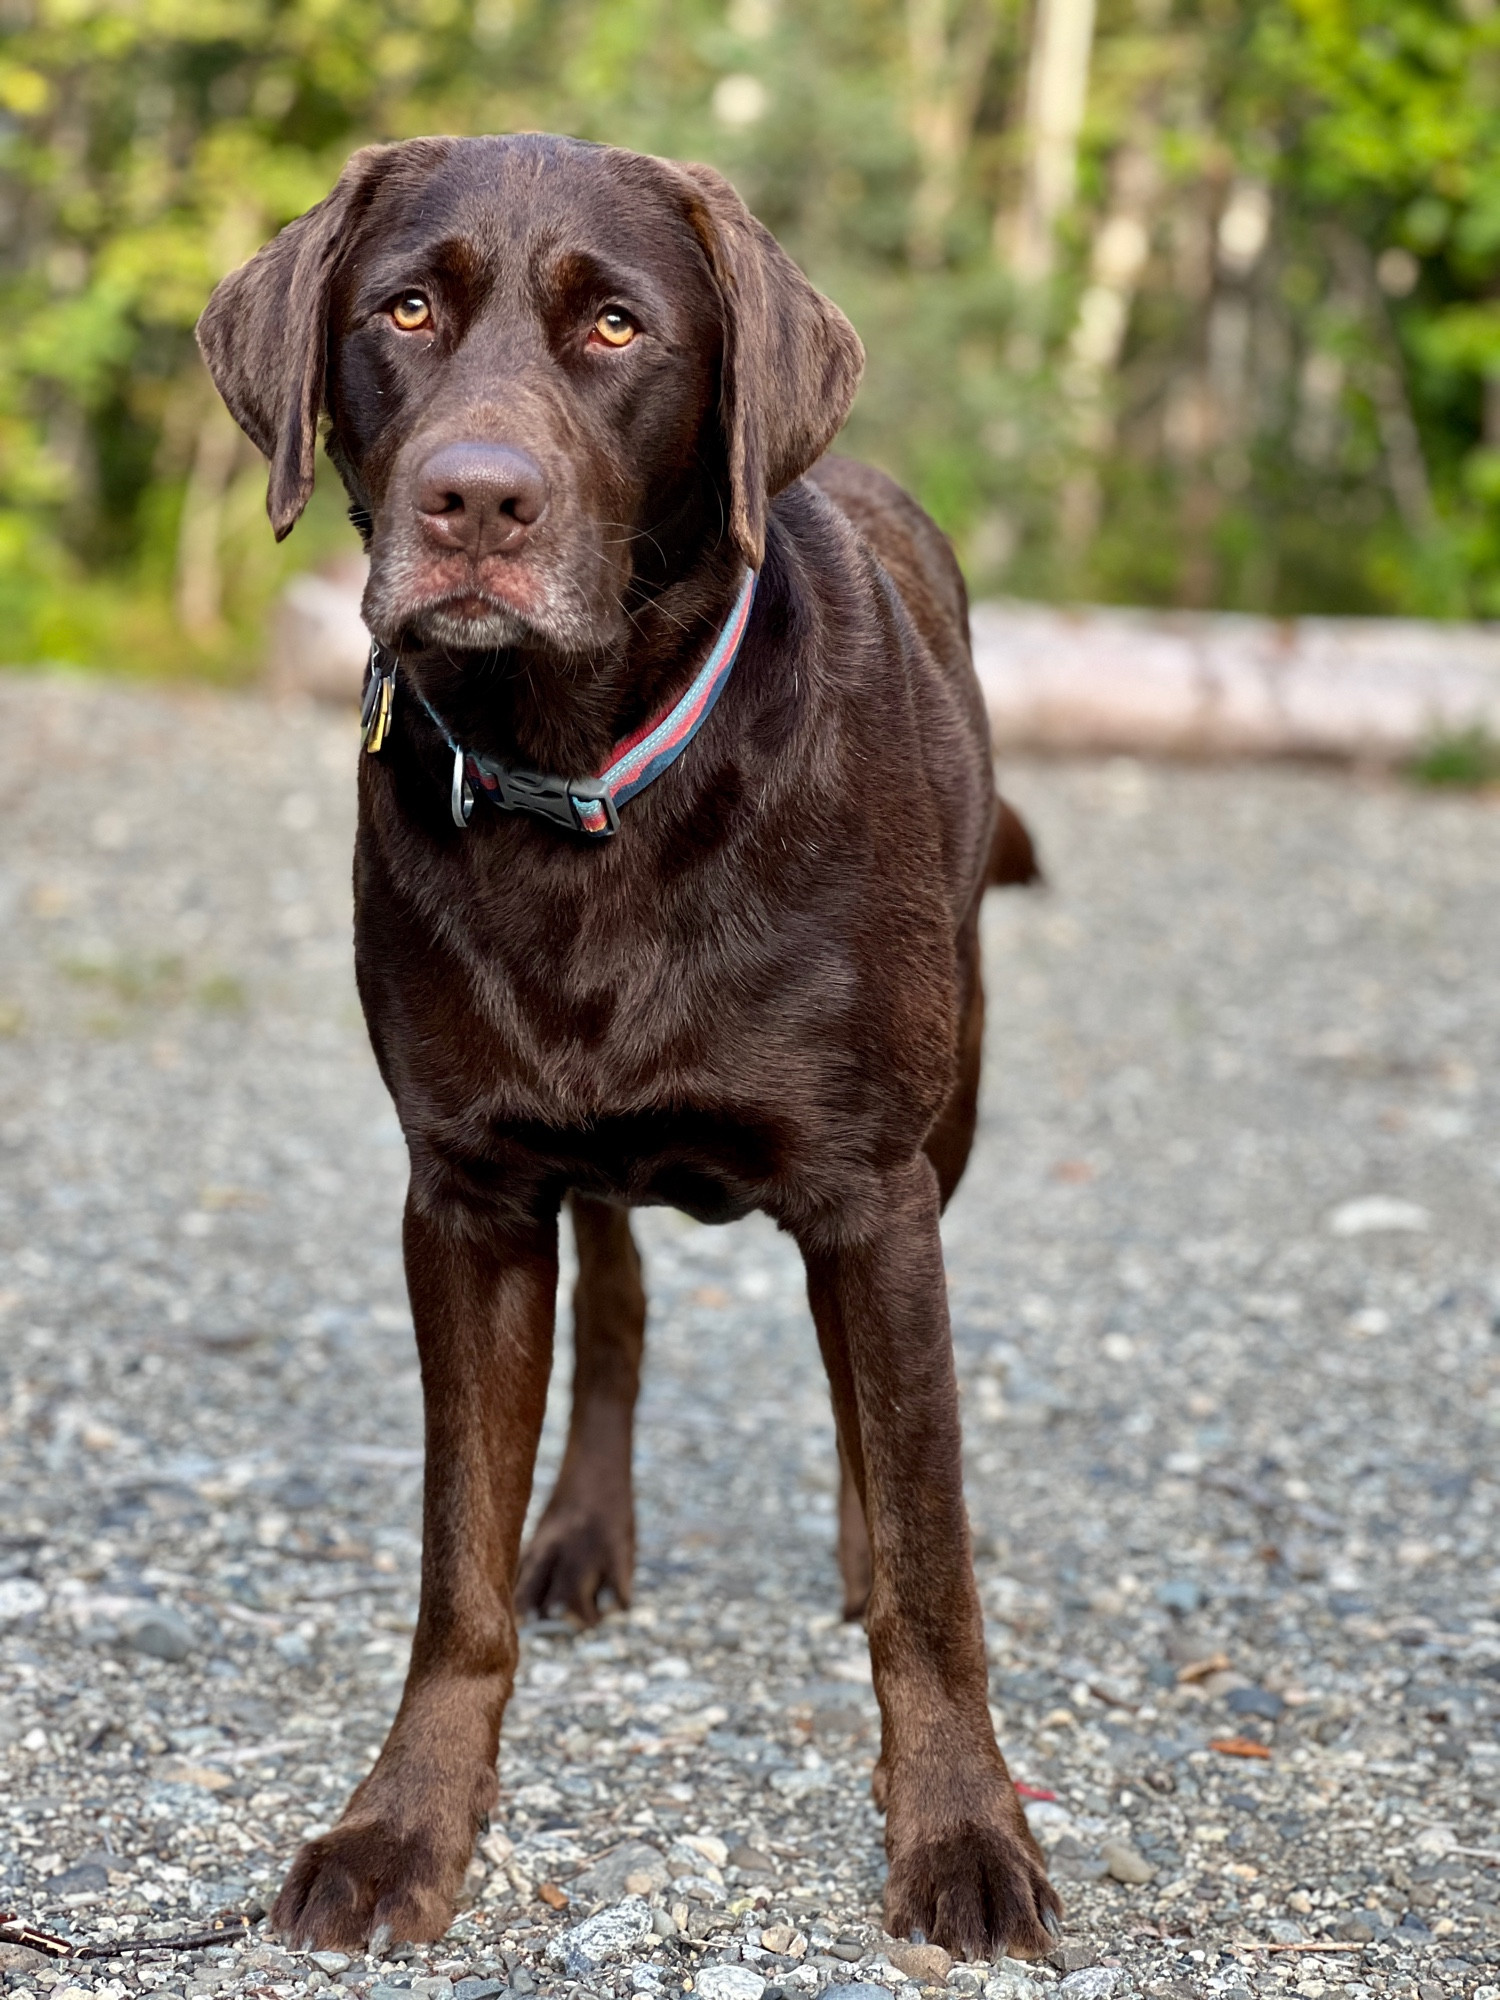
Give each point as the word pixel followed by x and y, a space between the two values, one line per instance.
pixel 472 612
pixel 485 607
pixel 473 619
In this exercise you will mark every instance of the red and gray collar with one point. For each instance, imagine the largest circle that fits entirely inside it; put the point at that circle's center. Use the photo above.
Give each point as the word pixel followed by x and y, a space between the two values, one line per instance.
pixel 583 805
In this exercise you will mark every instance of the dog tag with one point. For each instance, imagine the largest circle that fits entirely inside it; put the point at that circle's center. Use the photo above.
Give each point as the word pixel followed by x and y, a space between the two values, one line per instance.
pixel 378 721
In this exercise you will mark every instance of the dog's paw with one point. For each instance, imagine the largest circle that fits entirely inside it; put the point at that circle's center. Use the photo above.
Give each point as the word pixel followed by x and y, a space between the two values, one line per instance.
pixel 978 1887
pixel 364 1884
pixel 575 1556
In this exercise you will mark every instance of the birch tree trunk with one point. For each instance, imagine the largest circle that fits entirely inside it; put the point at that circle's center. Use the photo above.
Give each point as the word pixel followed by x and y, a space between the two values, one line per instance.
pixel 1385 376
pixel 200 580
pixel 1056 97
pixel 947 61
pixel 1116 266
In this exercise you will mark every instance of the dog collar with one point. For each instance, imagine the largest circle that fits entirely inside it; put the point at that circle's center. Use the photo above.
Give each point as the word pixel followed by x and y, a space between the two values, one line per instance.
pixel 582 805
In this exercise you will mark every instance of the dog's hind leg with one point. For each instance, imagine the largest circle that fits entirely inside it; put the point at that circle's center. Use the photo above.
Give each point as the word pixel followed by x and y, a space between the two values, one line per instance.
pixel 947 1146
pixel 952 1136
pixel 584 1544
pixel 854 1543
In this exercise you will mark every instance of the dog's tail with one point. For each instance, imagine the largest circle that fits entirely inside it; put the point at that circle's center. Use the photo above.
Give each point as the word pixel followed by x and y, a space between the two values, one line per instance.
pixel 1012 851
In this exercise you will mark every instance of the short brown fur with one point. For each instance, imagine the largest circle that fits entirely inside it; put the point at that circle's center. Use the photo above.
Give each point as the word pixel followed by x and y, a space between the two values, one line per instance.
pixel 763 993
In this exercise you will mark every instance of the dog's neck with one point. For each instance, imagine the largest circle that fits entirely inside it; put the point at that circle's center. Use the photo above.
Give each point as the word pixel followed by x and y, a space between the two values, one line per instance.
pixel 565 713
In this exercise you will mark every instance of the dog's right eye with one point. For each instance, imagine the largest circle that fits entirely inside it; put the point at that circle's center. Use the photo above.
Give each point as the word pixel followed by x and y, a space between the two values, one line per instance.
pixel 411 312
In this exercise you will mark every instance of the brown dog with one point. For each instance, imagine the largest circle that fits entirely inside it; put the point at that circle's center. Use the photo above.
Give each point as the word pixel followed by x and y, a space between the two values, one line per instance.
pixel 573 393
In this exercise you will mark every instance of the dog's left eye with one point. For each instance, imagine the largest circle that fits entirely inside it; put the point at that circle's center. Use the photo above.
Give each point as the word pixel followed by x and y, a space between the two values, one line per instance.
pixel 411 312
pixel 614 327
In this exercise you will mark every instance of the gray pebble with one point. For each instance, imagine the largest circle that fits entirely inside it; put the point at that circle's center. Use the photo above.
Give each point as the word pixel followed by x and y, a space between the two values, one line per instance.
pixel 601 1939
pixel 1095 1982
pixel 607 1879
pixel 1255 1701
pixel 158 1631
pixel 1125 1864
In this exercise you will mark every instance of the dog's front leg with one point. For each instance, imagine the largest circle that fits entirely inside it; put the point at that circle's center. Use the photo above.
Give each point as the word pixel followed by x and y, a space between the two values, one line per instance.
pixel 964 1868
pixel 585 1541
pixel 482 1300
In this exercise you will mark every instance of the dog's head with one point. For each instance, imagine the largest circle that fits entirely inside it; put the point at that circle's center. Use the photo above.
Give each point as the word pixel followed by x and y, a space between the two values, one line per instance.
pixel 555 374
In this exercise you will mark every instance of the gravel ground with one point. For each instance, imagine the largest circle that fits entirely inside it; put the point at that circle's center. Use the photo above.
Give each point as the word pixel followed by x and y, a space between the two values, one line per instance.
pixel 1226 1288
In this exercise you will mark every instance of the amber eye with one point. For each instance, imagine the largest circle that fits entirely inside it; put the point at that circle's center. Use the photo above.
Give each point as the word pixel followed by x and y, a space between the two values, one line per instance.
pixel 411 312
pixel 614 327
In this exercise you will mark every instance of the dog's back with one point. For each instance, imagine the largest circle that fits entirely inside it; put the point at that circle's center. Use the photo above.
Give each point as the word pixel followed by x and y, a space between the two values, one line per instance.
pixel 919 559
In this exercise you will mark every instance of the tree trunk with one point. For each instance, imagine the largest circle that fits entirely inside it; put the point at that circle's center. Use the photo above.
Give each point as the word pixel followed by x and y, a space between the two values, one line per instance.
pixel 1056 97
pixel 200 580
pixel 946 68
pixel 1116 265
pixel 1385 376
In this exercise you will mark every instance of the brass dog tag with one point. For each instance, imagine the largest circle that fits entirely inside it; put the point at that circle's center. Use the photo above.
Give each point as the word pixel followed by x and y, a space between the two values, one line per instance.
pixel 378 721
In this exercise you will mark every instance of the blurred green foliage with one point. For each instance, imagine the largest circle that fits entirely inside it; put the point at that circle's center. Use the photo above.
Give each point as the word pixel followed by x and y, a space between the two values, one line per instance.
pixel 1469 760
pixel 1288 400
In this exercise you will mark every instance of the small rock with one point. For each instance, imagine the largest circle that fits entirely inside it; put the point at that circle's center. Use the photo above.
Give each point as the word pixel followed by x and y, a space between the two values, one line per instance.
pixel 1181 1595
pixel 750 1861
pixel 84 1878
pixel 1011 1981
pixel 1375 1214
pixel 1255 1701
pixel 850 1952
pixel 645 1979
pixel 1095 1982
pixel 1286 1930
pixel 1125 1864
pixel 1077 1868
pixel 20 1598
pixel 1048 1820
pixel 662 1924
pixel 1356 1928
pixel 478 1989
pixel 1071 1957
pixel 21 1958
pixel 708 1845
pixel 729 1982
pixel 384 1991
pixel 787 1942
pixel 432 1989
pixel 157 1631
pixel 610 1934
pixel 698 1888
pixel 928 1963
pixel 633 1868
pixel 856 1989
pixel 965 1979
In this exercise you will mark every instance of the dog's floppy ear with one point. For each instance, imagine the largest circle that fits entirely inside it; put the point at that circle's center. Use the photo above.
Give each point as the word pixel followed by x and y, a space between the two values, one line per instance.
pixel 792 362
pixel 264 335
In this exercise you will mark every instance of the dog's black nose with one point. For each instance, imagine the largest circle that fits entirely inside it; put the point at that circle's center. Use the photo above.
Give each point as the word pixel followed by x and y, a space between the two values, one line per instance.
pixel 482 498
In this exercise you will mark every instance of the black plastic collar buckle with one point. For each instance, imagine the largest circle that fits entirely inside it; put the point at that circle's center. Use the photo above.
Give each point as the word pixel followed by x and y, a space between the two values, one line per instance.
pixel 514 789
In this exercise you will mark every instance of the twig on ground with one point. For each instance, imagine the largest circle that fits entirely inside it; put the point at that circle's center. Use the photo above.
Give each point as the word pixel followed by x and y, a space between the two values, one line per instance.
pixel 14 1930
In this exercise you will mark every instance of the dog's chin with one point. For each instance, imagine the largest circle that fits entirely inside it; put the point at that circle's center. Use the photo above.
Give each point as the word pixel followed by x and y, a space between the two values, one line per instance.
pixel 466 627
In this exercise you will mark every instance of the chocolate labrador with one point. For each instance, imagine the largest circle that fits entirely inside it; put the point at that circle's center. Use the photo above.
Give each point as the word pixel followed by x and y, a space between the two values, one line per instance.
pixel 674 822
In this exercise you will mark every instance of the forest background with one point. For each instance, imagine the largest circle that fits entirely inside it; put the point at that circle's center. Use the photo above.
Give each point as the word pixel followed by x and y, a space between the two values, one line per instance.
pixel 1180 302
